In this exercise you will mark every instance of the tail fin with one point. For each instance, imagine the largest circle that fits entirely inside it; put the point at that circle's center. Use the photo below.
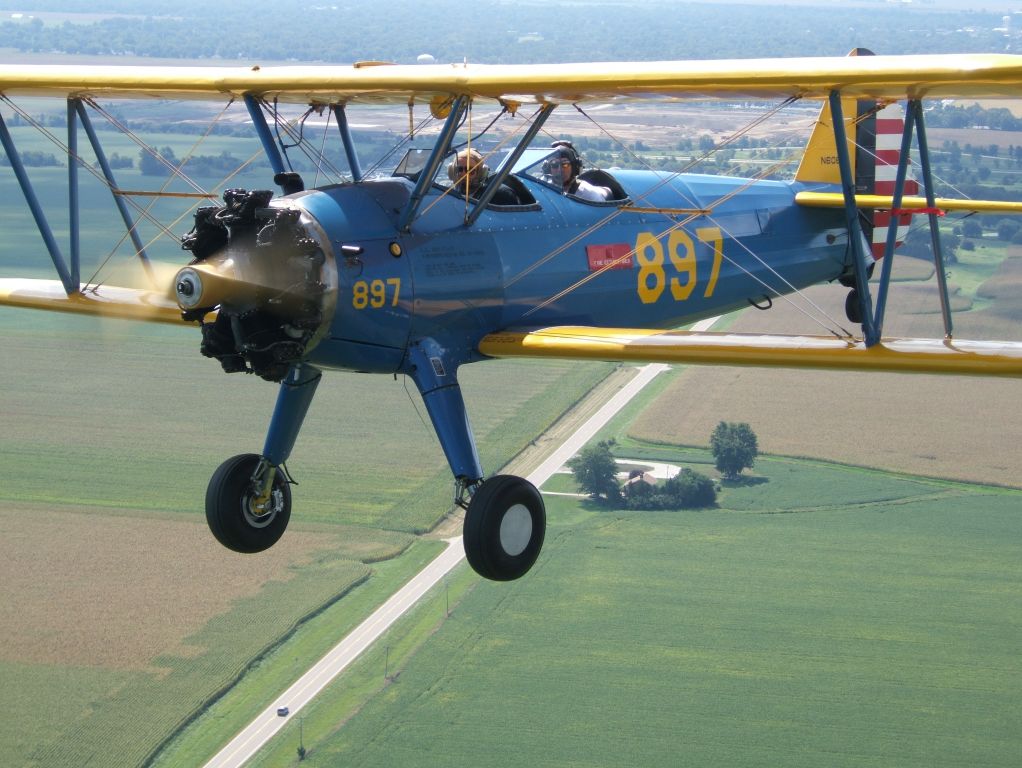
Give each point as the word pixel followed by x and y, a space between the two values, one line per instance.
pixel 873 131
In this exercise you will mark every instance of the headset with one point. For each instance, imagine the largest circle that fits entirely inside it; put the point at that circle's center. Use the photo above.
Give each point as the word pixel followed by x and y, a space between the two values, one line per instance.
pixel 565 151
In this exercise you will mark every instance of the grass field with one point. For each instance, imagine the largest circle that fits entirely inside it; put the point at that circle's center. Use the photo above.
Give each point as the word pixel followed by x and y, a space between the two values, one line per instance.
pixel 876 625
pixel 117 603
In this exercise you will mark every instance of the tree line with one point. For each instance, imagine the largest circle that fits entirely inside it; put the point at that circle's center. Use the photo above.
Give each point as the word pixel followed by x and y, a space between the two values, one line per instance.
pixel 489 31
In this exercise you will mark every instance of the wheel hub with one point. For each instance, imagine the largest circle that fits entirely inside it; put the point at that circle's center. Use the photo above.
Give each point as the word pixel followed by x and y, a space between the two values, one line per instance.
pixel 516 530
pixel 260 513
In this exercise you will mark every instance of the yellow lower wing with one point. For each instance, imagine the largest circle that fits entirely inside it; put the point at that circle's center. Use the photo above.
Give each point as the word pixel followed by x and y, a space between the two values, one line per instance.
pixel 104 301
pixel 977 358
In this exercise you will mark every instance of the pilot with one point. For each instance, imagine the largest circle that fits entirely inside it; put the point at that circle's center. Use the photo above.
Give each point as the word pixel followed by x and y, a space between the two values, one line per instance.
pixel 470 162
pixel 564 166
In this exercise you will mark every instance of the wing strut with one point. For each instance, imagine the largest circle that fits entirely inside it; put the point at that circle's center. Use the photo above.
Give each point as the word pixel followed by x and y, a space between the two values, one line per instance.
pixel 74 219
pixel 938 255
pixel 872 324
pixel 129 224
pixel 494 183
pixel 428 172
pixel 66 279
pixel 855 237
pixel 263 131
pixel 349 144
pixel 892 231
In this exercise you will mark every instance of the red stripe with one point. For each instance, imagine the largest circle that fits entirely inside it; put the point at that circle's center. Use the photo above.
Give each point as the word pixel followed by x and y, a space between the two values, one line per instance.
pixel 889 125
pixel 888 156
pixel 887 187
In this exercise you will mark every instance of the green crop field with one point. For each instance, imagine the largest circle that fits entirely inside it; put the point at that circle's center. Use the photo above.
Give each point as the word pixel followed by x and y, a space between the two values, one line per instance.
pixel 878 630
pixel 118 605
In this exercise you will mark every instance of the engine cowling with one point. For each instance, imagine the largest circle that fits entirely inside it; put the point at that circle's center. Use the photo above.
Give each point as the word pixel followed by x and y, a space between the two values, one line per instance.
pixel 268 276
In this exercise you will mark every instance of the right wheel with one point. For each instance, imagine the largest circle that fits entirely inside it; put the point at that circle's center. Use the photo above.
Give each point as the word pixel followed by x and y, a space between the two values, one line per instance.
pixel 852 309
pixel 234 515
pixel 504 528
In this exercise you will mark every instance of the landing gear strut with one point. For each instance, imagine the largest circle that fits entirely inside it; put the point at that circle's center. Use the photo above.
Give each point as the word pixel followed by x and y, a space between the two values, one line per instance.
pixel 248 504
pixel 504 528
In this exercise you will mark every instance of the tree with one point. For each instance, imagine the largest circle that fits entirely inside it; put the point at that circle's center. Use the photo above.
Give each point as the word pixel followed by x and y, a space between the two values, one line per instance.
pixel 595 471
pixel 734 448
pixel 151 166
pixel 971 228
pixel 1007 229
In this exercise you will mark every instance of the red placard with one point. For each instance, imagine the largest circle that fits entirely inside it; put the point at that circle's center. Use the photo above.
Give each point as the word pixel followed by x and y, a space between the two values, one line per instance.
pixel 612 256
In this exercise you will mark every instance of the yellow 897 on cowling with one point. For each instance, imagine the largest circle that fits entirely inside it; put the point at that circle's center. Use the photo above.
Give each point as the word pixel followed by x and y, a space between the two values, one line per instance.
pixel 374 294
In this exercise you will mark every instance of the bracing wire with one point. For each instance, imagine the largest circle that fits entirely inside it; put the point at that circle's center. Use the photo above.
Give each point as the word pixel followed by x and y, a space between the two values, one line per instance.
pixel 777 293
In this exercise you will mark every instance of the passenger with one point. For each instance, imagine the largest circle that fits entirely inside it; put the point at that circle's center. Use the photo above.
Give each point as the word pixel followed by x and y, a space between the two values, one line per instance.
pixel 470 162
pixel 563 168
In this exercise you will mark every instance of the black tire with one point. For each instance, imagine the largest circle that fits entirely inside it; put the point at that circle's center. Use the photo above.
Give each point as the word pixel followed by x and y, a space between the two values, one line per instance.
pixel 504 528
pixel 231 518
pixel 852 309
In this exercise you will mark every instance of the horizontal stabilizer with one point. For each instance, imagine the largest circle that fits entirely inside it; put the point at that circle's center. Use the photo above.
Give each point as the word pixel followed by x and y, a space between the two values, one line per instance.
pixel 103 301
pixel 886 202
pixel 977 358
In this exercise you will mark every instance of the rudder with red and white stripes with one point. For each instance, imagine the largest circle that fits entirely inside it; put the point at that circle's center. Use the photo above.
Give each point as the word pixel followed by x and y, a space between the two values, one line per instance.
pixel 877 169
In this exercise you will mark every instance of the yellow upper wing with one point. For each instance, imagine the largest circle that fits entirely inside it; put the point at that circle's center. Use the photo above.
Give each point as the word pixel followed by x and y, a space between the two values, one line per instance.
pixel 924 76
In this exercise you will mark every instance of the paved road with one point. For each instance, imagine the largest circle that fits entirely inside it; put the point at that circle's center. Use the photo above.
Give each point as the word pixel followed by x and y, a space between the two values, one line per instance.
pixel 246 743
pixel 260 730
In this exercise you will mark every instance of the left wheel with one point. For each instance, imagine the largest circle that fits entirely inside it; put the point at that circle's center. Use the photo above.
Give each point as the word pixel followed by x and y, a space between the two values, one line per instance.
pixel 504 528
pixel 232 511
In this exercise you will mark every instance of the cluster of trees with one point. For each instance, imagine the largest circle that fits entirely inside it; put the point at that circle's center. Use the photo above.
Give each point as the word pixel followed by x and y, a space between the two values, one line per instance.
pixel 734 447
pixel 952 115
pixel 686 490
pixel 198 165
pixel 33 159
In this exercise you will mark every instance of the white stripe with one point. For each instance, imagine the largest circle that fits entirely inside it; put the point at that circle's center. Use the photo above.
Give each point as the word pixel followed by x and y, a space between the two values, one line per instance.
pixel 889 141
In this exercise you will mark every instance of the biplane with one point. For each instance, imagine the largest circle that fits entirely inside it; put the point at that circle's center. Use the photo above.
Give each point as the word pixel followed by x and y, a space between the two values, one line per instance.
pixel 415 271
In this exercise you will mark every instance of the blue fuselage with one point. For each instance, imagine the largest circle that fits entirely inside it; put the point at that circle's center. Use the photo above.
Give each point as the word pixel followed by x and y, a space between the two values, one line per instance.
pixel 560 261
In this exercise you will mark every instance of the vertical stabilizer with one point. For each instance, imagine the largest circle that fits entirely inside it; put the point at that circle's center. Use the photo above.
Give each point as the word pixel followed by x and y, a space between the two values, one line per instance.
pixel 819 162
pixel 874 132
